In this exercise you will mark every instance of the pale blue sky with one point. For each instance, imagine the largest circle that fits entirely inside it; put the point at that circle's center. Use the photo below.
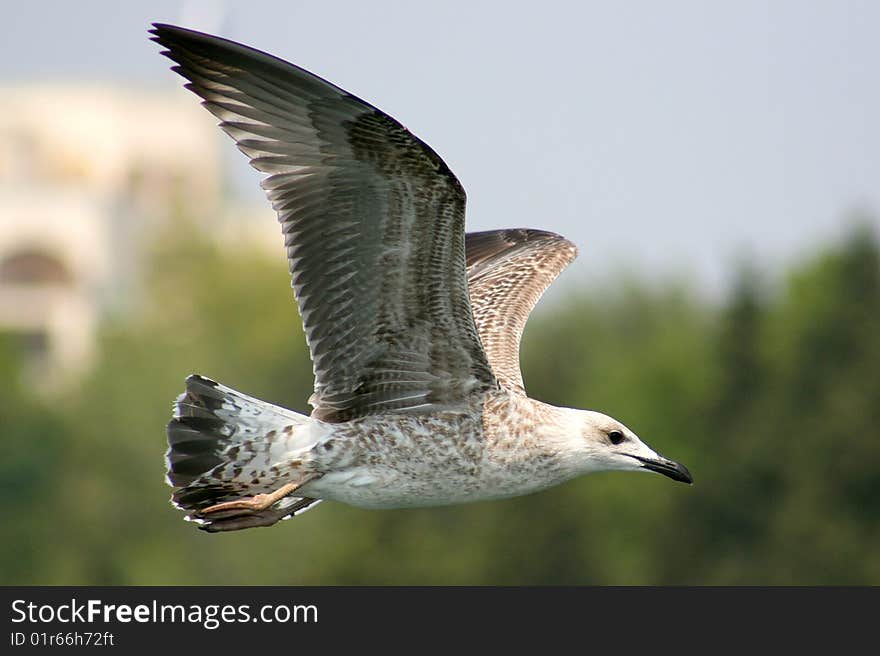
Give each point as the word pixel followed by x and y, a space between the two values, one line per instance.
pixel 661 137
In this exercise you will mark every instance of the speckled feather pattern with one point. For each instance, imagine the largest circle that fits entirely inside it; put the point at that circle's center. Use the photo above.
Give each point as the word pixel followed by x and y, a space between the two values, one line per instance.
pixel 488 449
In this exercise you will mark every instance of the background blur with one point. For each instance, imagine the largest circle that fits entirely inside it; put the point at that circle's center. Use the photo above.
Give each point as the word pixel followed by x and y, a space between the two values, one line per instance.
pixel 717 163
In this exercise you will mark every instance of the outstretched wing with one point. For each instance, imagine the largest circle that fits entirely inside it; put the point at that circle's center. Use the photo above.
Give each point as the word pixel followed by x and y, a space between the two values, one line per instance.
pixel 508 271
pixel 373 222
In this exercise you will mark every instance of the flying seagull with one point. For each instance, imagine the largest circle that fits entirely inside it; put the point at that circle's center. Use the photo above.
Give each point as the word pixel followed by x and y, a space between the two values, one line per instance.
pixel 412 325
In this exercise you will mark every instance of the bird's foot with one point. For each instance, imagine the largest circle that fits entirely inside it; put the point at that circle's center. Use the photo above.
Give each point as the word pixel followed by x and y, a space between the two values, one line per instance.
pixel 257 510
pixel 252 504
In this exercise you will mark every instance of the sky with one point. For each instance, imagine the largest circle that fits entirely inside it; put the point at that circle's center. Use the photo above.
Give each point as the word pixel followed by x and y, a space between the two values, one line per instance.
pixel 672 138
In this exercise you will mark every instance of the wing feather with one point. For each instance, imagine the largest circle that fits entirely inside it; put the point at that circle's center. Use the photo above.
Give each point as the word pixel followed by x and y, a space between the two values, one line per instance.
pixel 508 271
pixel 373 224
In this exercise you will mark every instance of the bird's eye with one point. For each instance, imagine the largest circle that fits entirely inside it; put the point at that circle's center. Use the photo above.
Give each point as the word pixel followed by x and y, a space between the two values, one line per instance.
pixel 615 436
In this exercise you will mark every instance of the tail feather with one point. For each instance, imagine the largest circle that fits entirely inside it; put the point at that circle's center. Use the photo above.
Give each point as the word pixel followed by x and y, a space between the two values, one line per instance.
pixel 224 445
pixel 194 446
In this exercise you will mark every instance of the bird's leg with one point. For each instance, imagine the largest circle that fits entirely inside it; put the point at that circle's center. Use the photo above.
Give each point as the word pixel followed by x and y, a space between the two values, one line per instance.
pixel 255 503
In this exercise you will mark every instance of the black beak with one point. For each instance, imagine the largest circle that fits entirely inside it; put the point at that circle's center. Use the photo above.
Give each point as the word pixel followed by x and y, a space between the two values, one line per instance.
pixel 670 468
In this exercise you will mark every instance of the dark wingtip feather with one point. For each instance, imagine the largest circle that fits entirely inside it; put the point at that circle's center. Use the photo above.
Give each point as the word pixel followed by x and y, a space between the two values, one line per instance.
pixel 164 31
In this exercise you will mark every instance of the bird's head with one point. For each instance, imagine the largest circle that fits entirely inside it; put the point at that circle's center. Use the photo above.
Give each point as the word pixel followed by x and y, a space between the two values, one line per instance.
pixel 597 442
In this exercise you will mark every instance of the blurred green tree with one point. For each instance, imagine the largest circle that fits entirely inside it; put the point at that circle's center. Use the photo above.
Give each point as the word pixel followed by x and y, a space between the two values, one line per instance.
pixel 34 451
pixel 772 399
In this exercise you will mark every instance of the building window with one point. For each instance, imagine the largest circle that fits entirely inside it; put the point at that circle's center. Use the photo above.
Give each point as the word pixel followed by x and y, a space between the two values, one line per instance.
pixel 33 267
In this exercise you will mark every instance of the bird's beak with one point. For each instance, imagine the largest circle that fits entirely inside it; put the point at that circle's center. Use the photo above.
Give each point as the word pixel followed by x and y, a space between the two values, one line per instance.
pixel 670 468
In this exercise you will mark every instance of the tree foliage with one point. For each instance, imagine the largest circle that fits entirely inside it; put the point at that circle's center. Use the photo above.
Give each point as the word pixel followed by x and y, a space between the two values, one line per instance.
pixel 772 398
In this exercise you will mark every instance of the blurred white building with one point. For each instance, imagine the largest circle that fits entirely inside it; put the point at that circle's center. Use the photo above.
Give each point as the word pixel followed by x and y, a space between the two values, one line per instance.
pixel 86 175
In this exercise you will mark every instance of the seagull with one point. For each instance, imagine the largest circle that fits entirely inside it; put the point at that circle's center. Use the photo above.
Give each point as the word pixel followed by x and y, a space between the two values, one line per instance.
pixel 413 326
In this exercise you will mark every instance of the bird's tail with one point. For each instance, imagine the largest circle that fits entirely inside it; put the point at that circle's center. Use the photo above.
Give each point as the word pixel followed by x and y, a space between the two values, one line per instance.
pixel 224 445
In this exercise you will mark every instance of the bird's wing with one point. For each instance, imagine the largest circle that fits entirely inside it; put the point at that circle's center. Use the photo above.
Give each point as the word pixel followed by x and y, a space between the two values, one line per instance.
pixel 508 271
pixel 373 222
